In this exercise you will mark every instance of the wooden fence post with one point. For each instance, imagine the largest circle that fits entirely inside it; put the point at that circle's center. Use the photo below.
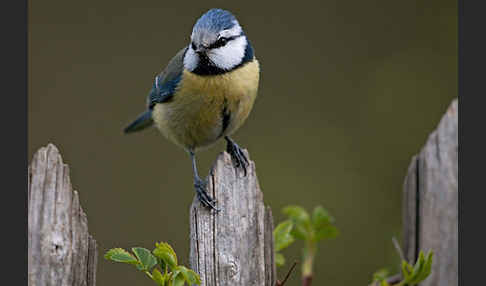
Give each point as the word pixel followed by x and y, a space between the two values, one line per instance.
pixel 234 246
pixel 430 202
pixel 60 249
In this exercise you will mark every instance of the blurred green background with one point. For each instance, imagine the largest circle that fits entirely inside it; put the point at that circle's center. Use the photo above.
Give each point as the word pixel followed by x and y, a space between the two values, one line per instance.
pixel 349 92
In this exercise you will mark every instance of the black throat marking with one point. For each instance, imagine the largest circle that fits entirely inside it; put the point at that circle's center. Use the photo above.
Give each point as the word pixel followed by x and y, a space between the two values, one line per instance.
pixel 206 68
pixel 225 117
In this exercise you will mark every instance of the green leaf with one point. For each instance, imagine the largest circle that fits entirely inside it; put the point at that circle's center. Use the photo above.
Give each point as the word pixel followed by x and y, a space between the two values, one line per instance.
pixel 421 269
pixel 121 255
pixel 417 269
pixel 320 217
pixel 427 266
pixel 184 272
pixel 380 275
pixel 410 268
pixel 161 263
pixel 147 260
pixel 165 252
pixel 326 232
pixel 405 271
pixel 158 277
pixel 281 235
pixel 193 277
pixel 189 276
pixel 300 232
pixel 297 213
pixel 177 278
pixel 279 259
pixel 168 279
pixel 302 224
pixel 384 283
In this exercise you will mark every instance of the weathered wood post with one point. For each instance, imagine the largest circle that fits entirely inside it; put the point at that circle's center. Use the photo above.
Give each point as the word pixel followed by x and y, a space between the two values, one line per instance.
pixel 234 246
pixel 60 249
pixel 430 202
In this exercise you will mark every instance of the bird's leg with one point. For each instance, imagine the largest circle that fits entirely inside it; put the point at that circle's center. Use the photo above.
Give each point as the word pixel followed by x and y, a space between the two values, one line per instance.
pixel 201 185
pixel 236 153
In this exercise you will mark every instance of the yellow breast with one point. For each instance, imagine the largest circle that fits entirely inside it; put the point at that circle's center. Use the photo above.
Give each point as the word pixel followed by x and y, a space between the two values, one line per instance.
pixel 194 117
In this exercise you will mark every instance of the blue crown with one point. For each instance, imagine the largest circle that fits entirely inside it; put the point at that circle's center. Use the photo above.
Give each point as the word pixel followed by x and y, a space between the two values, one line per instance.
pixel 216 20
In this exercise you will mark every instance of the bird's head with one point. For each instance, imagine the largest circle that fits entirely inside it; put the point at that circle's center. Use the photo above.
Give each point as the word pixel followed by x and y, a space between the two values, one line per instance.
pixel 217 45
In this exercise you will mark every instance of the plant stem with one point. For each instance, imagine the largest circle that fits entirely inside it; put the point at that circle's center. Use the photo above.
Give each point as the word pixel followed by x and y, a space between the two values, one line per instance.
pixel 309 254
pixel 149 275
pixel 398 248
pixel 306 281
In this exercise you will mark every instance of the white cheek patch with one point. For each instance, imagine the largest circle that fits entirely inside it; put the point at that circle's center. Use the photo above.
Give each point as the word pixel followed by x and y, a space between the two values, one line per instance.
pixel 191 60
pixel 230 55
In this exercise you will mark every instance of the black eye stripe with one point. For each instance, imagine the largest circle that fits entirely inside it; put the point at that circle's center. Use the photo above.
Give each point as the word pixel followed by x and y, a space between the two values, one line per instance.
pixel 219 43
pixel 222 42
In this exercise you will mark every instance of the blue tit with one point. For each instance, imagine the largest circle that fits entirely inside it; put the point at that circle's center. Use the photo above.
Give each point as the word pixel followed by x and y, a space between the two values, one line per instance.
pixel 206 92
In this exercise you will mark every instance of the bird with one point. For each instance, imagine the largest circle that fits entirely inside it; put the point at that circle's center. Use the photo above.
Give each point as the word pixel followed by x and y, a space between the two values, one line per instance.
pixel 205 93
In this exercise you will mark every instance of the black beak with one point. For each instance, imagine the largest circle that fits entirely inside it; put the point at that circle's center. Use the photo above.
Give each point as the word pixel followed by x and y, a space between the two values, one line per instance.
pixel 201 50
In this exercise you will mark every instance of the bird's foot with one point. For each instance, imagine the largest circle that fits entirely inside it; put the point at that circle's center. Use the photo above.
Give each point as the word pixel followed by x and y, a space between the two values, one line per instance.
pixel 203 196
pixel 236 154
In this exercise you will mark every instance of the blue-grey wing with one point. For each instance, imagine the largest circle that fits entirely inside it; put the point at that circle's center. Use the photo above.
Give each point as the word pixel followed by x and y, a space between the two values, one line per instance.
pixel 167 81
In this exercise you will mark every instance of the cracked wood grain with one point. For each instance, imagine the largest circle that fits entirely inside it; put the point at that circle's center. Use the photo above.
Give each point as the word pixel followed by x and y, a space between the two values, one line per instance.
pixel 430 202
pixel 235 245
pixel 60 249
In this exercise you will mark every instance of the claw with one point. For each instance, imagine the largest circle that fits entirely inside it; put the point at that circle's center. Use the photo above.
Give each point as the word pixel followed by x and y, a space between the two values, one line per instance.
pixel 237 154
pixel 203 196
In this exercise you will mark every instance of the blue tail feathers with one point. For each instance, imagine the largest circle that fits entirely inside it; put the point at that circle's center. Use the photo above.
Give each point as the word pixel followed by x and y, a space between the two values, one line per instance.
pixel 143 121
